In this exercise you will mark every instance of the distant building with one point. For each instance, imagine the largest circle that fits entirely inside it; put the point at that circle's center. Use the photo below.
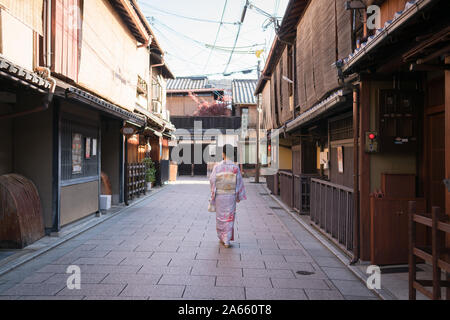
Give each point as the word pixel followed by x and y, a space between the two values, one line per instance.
pixel 245 106
pixel 186 96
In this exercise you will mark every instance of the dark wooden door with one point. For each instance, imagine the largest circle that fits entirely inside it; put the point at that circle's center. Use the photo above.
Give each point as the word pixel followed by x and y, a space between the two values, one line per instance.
pixel 389 230
pixel 436 163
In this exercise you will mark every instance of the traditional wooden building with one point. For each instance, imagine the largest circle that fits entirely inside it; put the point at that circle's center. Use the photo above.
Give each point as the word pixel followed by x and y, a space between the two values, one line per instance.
pixel 185 98
pixel 75 82
pixel 400 92
pixel 361 114
pixel 186 94
pixel 245 106
pixel 153 140
pixel 309 114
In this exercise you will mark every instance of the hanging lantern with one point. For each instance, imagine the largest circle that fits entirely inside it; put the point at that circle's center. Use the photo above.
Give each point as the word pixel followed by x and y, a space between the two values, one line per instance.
pixel 134 139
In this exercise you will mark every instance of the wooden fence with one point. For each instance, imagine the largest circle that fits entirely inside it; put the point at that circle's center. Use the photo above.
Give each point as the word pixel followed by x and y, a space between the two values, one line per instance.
pixel 135 180
pixel 272 183
pixel 302 193
pixel 332 210
pixel 286 188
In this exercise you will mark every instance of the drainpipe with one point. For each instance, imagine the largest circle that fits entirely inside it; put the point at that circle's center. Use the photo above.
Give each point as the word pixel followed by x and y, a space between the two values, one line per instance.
pixel 356 235
pixel 158 65
pixel 46 75
pixel 49 34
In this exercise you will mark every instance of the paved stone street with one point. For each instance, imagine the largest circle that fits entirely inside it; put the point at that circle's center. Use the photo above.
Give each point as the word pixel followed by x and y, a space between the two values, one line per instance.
pixel 166 248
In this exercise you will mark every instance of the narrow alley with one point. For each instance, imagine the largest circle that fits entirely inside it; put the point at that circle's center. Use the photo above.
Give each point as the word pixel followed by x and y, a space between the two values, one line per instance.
pixel 166 247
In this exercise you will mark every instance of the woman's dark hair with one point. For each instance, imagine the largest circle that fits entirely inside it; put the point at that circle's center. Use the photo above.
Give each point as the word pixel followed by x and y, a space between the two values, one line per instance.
pixel 228 150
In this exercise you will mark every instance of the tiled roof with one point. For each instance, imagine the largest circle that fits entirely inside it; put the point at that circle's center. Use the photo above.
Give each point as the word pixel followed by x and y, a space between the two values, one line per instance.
pixel 412 7
pixel 103 105
pixel 187 83
pixel 243 91
pixel 22 75
pixel 331 101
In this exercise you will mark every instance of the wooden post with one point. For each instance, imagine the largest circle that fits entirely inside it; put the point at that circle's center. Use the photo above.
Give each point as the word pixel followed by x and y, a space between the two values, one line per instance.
pixel 447 135
pixel 356 146
pixel 364 172
pixel 447 154
pixel 412 244
pixel 435 213
pixel 258 133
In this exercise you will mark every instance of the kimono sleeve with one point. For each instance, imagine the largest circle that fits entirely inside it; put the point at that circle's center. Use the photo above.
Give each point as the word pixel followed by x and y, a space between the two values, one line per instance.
pixel 212 182
pixel 240 187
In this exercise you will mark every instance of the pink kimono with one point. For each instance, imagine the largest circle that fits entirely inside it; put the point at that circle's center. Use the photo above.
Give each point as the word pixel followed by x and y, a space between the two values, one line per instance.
pixel 227 187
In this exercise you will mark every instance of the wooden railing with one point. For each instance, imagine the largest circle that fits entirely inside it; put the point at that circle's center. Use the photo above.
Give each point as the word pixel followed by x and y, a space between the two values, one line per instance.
pixel 302 192
pixel 436 255
pixel 332 210
pixel 286 188
pixel 135 180
pixel 272 183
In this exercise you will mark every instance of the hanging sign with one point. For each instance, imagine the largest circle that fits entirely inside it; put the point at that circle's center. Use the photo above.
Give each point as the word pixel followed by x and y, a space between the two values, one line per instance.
pixel 88 148
pixel 340 159
pixel 128 131
pixel 94 147
pixel 77 162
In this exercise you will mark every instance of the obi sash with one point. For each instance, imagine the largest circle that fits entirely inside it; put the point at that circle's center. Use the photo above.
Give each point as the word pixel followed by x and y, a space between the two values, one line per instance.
pixel 226 183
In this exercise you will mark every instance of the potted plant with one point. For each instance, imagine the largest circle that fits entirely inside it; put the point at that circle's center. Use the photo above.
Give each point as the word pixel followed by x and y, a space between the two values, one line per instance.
pixel 150 173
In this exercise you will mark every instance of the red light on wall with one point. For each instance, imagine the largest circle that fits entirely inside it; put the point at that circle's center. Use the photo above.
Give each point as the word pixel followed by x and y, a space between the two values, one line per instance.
pixel 372 136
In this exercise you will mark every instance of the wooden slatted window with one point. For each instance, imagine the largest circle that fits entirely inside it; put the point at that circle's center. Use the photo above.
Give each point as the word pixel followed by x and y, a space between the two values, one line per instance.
pixel 27 11
pixel 341 129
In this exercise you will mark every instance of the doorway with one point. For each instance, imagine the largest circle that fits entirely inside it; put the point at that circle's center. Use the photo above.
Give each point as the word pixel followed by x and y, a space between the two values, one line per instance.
pixel 435 136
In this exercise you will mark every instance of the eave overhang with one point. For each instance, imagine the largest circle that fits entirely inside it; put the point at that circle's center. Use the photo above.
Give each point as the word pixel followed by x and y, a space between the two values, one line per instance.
pixel 367 51
pixel 334 100
pixel 286 34
pixel 102 105
pixel 22 76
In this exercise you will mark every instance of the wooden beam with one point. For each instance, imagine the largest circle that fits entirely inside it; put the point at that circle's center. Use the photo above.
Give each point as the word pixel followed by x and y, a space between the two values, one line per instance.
pixel 426 42
pixel 135 19
pixel 443 51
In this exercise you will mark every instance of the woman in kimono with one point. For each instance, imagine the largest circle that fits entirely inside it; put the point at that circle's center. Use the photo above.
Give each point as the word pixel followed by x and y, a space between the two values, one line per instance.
pixel 227 188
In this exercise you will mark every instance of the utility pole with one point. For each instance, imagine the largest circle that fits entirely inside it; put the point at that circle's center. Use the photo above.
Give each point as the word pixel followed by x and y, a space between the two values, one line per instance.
pixel 258 163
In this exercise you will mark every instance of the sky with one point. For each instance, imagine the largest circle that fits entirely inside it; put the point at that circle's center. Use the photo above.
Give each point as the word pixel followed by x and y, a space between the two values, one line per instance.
pixel 187 39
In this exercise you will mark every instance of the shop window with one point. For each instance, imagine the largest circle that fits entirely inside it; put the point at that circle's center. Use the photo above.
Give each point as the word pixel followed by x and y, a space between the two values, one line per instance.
pixel 341 129
pixel 79 151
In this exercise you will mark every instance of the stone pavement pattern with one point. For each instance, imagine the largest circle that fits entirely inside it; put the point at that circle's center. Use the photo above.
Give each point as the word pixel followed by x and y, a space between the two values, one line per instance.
pixel 166 248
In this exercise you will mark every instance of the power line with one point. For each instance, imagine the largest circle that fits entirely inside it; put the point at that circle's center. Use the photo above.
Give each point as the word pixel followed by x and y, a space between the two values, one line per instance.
pixel 192 66
pixel 152 21
pixel 244 71
pixel 244 12
pixel 217 35
pixel 186 17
